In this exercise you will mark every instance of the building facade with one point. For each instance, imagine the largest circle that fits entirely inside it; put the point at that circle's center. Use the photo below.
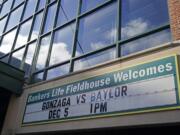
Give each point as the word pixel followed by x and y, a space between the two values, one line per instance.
pixel 89 65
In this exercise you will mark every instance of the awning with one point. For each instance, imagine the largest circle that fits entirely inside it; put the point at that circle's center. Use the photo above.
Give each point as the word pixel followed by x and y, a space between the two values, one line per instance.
pixel 11 78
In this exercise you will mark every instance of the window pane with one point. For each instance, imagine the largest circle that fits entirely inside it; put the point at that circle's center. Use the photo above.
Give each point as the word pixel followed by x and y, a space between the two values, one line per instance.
pixel 67 11
pixel 30 8
pixel 4 59
pixel 2 24
pixel 58 71
pixel 94 59
pixel 62 44
pixel 17 2
pixel 41 4
pixel 146 42
pixel 7 42
pixel 29 58
pixel 38 77
pixel 36 26
pixel 23 34
pixel 17 58
pixel 43 52
pixel 14 18
pixel 49 22
pixel 6 7
pixel 97 30
pixel 89 4
pixel 139 16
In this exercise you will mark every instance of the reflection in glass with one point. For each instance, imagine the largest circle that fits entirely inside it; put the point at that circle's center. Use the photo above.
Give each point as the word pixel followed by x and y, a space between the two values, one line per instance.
pixel 38 77
pixel 4 59
pixel 7 42
pixel 17 2
pixel 2 24
pixel 67 11
pixel 36 26
pixel 90 4
pixel 23 34
pixel 29 58
pixel 14 18
pixel 16 58
pixel 41 4
pixel 30 8
pixel 43 52
pixel 139 16
pixel 97 30
pixel 94 59
pixel 6 7
pixel 146 42
pixel 49 22
pixel 62 44
pixel 58 71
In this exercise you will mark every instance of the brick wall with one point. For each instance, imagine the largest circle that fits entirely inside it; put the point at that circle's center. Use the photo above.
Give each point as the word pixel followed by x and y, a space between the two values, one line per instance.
pixel 174 12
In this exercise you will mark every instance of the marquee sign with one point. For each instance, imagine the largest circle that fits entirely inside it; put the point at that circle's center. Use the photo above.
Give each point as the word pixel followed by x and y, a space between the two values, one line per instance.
pixel 145 87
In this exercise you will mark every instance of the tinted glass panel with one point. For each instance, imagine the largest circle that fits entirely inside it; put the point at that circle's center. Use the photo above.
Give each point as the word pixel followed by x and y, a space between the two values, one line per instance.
pixel 30 8
pixel 38 77
pixel 23 34
pixel 17 2
pixel 62 45
pixel 14 18
pixel 6 7
pixel 43 52
pixel 7 42
pixel 36 26
pixel 2 24
pixel 4 59
pixel 42 4
pixel 29 57
pixel 17 57
pixel 49 22
pixel 139 16
pixel 89 4
pixel 146 42
pixel 67 11
pixel 97 30
pixel 58 71
pixel 94 59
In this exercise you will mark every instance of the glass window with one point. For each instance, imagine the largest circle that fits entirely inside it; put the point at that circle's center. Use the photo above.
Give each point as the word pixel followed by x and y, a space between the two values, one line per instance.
pixel 30 8
pixel 146 42
pixel 139 16
pixel 41 4
pixel 4 59
pixel 7 42
pixel 2 24
pixel 14 18
pixel 17 2
pixel 23 34
pixel 43 52
pixel 62 44
pixel 36 26
pixel 29 58
pixel 49 22
pixel 58 71
pixel 16 58
pixel 38 77
pixel 6 7
pixel 89 4
pixel 95 59
pixel 97 30
pixel 67 11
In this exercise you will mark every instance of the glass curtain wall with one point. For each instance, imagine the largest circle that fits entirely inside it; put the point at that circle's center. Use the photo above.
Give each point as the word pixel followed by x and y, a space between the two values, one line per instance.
pixel 51 38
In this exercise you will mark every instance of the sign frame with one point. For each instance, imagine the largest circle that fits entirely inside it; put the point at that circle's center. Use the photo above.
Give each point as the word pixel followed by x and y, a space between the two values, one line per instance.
pixel 119 113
